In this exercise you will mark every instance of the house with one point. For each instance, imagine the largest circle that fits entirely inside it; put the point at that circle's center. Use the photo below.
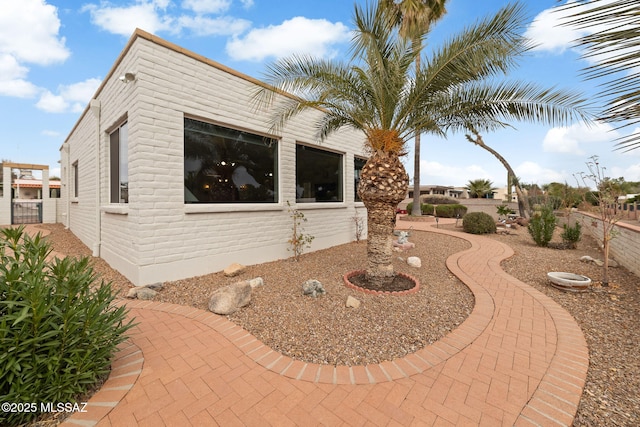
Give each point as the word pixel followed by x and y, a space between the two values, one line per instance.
pixel 172 172
pixel 27 198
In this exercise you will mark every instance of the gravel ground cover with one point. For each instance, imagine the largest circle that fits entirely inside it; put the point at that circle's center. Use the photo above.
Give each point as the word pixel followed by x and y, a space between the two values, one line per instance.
pixel 324 330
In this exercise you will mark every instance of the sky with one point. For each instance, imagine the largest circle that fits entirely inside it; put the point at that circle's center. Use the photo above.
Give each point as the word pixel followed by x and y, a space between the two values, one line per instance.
pixel 55 53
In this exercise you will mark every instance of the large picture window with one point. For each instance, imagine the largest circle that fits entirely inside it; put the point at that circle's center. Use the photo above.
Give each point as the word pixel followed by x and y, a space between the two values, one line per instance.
pixel 223 165
pixel 318 175
pixel 358 164
pixel 119 165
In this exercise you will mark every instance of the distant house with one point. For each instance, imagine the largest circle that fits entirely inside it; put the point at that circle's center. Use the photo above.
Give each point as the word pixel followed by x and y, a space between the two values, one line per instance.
pixel 25 198
pixel 171 172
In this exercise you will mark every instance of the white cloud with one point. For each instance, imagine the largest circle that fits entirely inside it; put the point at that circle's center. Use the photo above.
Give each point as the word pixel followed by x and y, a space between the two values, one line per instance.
pixel 71 98
pixel 297 35
pixel 124 20
pixel 51 133
pixel 207 6
pixel 12 78
pixel 550 32
pixel 531 172
pixel 571 139
pixel 29 32
pixel 436 173
pixel 204 26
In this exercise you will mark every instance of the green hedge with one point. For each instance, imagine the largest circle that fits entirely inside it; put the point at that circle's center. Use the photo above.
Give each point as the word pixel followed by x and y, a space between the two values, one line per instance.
pixel 478 223
pixel 58 327
pixel 442 211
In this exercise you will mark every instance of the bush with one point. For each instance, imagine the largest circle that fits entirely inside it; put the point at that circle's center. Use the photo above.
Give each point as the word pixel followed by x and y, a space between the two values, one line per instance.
pixel 542 225
pixel 58 331
pixel 478 223
pixel 450 211
pixel 571 234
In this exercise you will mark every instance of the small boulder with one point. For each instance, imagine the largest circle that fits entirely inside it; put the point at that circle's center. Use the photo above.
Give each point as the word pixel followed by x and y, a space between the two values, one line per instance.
pixel 234 270
pixel 145 293
pixel 414 261
pixel 313 288
pixel 254 283
pixel 229 299
pixel 133 293
pixel 353 302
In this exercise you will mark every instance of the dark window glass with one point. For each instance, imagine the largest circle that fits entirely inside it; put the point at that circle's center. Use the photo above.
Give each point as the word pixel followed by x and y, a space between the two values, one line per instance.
pixel 358 164
pixel 318 175
pixel 224 165
pixel 119 168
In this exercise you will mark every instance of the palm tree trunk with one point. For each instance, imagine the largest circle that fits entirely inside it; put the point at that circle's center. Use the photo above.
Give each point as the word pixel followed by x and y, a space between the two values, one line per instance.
pixel 383 184
pixel 416 209
pixel 523 202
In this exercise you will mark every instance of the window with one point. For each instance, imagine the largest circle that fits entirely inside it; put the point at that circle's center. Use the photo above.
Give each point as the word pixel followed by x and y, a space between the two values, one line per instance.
pixel 74 178
pixel 223 165
pixel 358 164
pixel 318 175
pixel 119 165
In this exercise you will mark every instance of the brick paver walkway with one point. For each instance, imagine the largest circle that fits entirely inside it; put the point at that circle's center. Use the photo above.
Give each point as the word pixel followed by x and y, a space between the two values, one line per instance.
pixel 519 359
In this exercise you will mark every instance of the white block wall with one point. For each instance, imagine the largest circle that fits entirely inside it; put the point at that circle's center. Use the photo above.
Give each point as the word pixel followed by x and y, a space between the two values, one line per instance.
pixel 156 236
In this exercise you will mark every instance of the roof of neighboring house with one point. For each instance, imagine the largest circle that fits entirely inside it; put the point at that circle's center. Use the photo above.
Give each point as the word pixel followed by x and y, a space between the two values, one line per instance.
pixel 33 183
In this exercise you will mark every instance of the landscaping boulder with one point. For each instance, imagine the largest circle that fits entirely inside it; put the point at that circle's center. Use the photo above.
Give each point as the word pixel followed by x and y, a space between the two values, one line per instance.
pixel 353 302
pixel 230 298
pixel 234 270
pixel 146 293
pixel 313 288
pixel 414 261
pixel 258 281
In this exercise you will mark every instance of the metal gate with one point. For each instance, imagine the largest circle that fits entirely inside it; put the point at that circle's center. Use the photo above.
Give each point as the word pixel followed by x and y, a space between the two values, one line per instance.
pixel 26 212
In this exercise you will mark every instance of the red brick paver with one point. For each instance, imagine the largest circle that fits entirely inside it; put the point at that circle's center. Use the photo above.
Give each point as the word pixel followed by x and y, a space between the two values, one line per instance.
pixel 518 359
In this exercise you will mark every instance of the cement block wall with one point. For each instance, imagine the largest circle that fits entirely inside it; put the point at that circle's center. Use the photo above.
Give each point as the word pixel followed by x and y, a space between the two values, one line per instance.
pixel 625 245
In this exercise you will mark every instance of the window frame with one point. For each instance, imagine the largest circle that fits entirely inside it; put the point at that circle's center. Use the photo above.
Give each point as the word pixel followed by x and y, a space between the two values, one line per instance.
pixel 118 161
pixel 274 144
pixel 341 180
pixel 74 180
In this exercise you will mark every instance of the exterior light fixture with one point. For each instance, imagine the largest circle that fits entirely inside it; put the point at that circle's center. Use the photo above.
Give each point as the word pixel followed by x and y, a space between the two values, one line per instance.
pixel 127 77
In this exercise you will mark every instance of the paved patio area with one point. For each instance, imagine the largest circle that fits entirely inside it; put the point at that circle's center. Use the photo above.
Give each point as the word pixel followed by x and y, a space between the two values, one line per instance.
pixel 519 359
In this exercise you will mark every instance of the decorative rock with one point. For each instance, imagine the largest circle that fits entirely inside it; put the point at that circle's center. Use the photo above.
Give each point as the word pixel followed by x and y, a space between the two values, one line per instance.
pixel 403 237
pixel 234 269
pixel 353 302
pixel 230 298
pixel 155 286
pixel 254 283
pixel 414 261
pixel 145 293
pixel 404 246
pixel 133 293
pixel 313 288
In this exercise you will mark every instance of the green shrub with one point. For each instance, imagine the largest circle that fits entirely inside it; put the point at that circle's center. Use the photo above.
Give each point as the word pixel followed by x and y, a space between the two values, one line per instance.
pixel 450 210
pixel 439 200
pixel 58 330
pixel 542 225
pixel 571 234
pixel 478 223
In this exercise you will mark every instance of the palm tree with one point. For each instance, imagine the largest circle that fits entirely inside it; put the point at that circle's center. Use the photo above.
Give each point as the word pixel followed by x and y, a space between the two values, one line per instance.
pixel 479 188
pixel 379 92
pixel 523 202
pixel 615 48
pixel 414 19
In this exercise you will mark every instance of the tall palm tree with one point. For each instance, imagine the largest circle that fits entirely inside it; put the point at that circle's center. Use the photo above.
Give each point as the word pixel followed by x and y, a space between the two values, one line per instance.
pixel 523 202
pixel 414 19
pixel 379 92
pixel 479 188
pixel 615 49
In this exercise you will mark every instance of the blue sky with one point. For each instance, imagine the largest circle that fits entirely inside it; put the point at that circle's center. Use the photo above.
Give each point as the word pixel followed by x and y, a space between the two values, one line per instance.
pixel 54 53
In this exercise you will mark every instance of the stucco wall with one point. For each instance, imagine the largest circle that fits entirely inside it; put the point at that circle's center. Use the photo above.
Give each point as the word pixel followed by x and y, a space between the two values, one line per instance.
pixel 156 236
pixel 625 245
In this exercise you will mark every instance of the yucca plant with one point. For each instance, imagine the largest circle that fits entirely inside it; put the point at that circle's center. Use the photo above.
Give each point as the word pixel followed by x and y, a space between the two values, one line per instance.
pixel 58 327
pixel 380 92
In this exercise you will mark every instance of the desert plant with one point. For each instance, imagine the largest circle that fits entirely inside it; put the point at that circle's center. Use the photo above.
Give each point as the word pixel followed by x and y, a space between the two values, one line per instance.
pixel 58 327
pixel 359 224
pixel 571 234
pixel 478 223
pixel 504 210
pixel 450 211
pixel 299 240
pixel 542 225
